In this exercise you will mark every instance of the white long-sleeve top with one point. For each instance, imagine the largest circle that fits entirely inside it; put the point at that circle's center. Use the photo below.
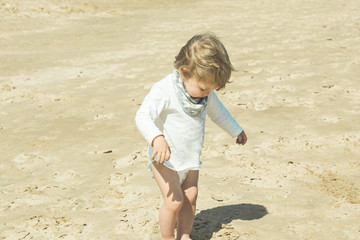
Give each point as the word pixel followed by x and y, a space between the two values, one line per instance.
pixel 161 113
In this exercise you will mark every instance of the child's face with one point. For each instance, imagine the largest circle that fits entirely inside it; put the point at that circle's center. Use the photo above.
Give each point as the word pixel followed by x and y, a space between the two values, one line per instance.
pixel 198 89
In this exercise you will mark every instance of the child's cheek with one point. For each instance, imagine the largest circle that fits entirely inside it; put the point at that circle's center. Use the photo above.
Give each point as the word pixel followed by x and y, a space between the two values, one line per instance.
pixel 196 94
pixel 192 92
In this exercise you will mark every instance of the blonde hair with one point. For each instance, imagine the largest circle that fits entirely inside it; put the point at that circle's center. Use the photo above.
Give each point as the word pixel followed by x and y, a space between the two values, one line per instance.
pixel 205 56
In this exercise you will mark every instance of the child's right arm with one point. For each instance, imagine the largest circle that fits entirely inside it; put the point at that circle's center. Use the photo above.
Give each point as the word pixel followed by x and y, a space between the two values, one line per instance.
pixel 161 149
pixel 145 119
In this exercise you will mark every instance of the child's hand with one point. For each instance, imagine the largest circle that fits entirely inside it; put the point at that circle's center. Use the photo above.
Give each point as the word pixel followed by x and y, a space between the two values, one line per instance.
pixel 161 149
pixel 241 138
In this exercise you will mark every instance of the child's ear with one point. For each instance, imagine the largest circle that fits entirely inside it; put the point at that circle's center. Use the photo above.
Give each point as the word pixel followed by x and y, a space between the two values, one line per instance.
pixel 184 73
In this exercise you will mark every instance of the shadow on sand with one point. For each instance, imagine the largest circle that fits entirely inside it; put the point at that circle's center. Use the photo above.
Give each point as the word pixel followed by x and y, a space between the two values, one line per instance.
pixel 210 221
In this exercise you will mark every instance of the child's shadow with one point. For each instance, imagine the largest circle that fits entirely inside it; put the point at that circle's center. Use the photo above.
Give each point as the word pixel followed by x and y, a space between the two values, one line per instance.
pixel 210 221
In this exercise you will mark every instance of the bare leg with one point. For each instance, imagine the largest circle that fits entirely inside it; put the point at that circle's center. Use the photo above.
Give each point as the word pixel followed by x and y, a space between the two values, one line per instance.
pixel 169 184
pixel 187 211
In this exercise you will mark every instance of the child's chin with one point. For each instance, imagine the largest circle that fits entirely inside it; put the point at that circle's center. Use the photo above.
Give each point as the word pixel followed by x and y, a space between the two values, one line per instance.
pixel 196 96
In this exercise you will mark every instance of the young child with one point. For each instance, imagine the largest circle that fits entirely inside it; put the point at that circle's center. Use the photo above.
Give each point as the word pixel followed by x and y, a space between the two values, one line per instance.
pixel 172 120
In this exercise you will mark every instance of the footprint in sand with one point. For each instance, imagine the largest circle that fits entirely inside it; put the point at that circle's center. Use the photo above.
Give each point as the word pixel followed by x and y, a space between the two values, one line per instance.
pixel 107 116
pixel 122 162
pixel 124 222
pixel 27 201
pixel 330 119
pixel 61 227
pixel 352 141
pixel 135 157
pixel 30 162
pixel 66 176
pixel 274 79
pixel 119 179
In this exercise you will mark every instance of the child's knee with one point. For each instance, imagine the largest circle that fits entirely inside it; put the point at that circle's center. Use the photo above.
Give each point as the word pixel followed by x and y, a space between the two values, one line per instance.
pixel 174 202
pixel 174 205
pixel 191 194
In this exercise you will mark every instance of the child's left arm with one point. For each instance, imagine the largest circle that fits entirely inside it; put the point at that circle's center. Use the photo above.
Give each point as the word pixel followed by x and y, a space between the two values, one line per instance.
pixel 221 116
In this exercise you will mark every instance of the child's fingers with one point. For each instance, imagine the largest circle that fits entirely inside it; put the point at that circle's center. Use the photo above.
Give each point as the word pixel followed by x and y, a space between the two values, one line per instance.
pixel 244 137
pixel 241 139
pixel 159 160
pixel 168 154
pixel 153 155
pixel 244 140
pixel 162 157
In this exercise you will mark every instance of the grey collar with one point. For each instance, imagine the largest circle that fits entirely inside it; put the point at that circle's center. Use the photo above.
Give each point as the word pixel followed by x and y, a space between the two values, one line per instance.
pixel 191 106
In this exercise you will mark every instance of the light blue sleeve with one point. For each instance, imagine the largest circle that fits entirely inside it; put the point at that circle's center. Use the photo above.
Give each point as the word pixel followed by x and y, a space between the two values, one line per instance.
pixel 221 116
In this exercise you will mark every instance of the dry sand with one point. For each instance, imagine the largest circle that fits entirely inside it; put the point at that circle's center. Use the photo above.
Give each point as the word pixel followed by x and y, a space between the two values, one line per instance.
pixel 72 76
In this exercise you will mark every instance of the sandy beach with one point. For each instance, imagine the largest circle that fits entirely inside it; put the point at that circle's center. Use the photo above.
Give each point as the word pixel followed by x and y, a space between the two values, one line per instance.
pixel 74 73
